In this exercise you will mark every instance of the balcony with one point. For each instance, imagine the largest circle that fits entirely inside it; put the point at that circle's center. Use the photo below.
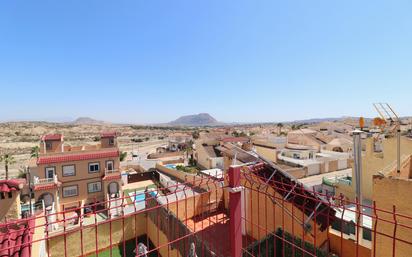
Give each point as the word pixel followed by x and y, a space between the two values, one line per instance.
pixel 45 181
pixel 108 172
pixel 112 174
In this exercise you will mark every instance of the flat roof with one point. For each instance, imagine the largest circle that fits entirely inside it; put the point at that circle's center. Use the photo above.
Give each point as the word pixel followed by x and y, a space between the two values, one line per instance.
pixel 216 173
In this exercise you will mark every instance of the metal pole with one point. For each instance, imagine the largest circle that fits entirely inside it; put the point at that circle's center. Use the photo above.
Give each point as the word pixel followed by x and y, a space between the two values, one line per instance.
pixel 235 211
pixel 357 148
pixel 398 150
pixel 30 194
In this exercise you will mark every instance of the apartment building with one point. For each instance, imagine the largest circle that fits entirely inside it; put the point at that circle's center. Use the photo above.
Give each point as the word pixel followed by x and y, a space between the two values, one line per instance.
pixel 66 177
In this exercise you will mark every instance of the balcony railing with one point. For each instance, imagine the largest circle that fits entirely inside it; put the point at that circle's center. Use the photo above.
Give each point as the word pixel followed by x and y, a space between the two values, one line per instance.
pixel 343 180
pixel 107 172
pixel 42 181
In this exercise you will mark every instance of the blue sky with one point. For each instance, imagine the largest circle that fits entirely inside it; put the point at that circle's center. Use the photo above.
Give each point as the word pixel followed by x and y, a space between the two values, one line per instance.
pixel 152 61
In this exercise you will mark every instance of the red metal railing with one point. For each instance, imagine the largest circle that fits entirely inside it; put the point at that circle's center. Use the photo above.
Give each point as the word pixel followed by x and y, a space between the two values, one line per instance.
pixel 251 214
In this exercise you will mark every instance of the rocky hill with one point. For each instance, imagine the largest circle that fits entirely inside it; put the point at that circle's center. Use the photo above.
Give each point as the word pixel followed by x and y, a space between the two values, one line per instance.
pixel 201 119
pixel 87 121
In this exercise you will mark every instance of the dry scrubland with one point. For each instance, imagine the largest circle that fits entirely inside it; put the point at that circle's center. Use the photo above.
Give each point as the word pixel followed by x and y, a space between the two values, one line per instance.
pixel 17 138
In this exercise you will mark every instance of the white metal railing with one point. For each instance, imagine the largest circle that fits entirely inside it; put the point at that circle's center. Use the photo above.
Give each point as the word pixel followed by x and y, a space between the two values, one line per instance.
pixel 343 179
pixel 39 181
pixel 106 171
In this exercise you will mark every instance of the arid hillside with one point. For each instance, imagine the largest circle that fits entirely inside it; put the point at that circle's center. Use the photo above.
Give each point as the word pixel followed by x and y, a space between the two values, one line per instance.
pixel 17 138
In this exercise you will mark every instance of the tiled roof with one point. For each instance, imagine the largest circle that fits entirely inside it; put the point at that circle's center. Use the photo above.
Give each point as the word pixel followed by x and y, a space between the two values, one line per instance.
pixel 57 137
pixel 11 185
pixel 235 139
pixel 77 157
pixel 107 134
pixel 45 186
pixel 112 176
pixel 16 239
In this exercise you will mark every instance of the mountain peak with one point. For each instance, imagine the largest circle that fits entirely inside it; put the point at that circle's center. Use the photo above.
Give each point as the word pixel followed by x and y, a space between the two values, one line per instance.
pixel 87 121
pixel 201 119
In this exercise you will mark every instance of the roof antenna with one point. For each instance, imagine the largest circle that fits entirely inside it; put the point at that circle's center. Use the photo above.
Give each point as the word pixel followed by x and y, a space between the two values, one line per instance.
pixel 234 159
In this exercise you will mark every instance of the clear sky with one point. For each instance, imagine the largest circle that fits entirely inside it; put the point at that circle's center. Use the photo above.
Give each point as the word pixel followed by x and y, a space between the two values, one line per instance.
pixel 152 61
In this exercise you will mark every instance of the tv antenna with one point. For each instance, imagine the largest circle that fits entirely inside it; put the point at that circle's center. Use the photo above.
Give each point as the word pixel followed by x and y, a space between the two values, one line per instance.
pixel 393 125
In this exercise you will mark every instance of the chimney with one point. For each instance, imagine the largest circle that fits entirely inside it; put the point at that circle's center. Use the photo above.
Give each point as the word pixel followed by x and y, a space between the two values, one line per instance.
pixel 357 155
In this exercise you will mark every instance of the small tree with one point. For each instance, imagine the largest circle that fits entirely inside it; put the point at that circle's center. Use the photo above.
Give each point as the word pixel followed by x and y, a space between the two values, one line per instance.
pixel 34 153
pixel 123 156
pixel 8 159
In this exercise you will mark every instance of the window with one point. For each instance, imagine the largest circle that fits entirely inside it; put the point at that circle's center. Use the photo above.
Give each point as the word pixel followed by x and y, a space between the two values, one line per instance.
pixel 94 167
pixel 50 171
pixel 10 194
pixel 94 187
pixel 49 145
pixel 109 165
pixel 69 170
pixel 70 191
pixel 111 141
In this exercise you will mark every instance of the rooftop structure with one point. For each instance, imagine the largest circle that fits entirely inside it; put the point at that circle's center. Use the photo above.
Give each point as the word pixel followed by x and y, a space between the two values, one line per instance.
pixel 259 211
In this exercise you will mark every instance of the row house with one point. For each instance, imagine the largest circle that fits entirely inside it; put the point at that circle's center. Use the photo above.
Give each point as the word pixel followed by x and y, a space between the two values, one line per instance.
pixel 66 177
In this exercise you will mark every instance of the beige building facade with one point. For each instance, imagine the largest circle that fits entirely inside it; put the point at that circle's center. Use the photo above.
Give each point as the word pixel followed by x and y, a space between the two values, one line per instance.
pixel 67 177
pixel 390 194
pixel 374 161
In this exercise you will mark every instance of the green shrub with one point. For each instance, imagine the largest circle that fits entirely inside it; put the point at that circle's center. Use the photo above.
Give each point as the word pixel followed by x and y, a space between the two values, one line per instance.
pixel 123 156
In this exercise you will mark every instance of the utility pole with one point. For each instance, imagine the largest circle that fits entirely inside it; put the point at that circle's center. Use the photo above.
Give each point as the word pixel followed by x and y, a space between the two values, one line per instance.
pixel 30 194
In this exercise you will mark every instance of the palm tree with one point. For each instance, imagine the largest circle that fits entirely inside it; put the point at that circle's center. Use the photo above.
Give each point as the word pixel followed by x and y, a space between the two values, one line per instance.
pixel 34 153
pixel 189 151
pixel 8 160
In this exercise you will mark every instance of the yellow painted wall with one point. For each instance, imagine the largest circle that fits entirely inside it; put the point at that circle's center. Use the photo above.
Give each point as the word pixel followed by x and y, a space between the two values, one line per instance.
pixel 345 247
pixel 73 246
pixel 10 207
pixel 160 239
pixel 267 152
pixel 386 193
pixel 272 216
pixel 374 162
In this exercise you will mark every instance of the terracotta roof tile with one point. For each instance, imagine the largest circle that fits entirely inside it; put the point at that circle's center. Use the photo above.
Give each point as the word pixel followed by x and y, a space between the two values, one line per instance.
pixel 112 176
pixel 77 157
pixel 235 139
pixel 56 137
pixel 45 186
pixel 11 185
pixel 107 134
pixel 16 238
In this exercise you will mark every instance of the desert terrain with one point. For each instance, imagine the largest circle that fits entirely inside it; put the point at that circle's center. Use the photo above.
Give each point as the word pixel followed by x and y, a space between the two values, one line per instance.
pixel 17 138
